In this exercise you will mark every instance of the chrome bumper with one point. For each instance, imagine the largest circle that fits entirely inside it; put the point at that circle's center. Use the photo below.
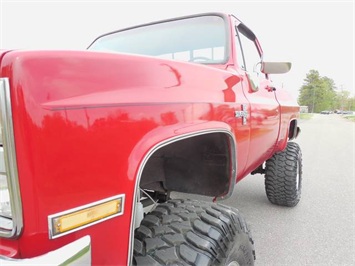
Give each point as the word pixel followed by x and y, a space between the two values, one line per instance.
pixel 75 253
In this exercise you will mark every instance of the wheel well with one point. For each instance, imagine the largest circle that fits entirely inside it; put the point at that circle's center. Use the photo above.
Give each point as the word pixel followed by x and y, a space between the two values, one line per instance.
pixel 293 130
pixel 198 165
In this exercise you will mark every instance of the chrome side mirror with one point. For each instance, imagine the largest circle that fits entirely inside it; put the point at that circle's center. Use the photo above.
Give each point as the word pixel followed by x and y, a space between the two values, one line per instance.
pixel 275 67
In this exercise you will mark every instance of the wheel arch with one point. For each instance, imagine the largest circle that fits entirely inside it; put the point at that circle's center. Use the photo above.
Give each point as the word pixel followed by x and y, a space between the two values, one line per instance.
pixel 290 132
pixel 163 139
pixel 200 163
pixel 293 129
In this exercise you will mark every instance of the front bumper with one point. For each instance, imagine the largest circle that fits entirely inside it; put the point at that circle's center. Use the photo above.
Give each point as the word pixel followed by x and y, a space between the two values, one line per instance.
pixel 75 253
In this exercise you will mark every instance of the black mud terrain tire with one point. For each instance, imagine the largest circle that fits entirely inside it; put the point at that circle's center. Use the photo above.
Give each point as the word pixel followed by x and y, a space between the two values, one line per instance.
pixel 189 232
pixel 283 176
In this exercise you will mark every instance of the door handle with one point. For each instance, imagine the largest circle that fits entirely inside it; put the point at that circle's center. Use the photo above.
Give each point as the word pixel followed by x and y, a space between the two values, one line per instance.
pixel 270 88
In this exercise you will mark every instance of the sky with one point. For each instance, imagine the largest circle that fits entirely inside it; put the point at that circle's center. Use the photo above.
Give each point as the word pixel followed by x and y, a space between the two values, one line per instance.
pixel 311 34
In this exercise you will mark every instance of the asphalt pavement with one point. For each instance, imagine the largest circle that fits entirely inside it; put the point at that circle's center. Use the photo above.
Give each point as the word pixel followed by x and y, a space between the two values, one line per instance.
pixel 320 230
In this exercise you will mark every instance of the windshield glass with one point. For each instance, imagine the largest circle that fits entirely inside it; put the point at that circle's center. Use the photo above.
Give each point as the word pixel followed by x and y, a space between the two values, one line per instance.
pixel 198 39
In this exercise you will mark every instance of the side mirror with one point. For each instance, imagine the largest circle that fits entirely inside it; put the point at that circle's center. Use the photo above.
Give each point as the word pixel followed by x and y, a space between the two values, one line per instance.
pixel 275 67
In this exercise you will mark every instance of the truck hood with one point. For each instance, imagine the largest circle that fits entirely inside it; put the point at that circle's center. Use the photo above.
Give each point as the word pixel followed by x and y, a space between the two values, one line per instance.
pixel 79 79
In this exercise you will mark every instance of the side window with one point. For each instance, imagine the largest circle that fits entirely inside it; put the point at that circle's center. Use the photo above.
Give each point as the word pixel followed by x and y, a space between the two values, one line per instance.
pixel 247 50
pixel 250 52
pixel 240 56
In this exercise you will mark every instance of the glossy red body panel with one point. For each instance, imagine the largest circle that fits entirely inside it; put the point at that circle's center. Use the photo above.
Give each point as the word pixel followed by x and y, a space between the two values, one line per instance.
pixel 78 116
pixel 84 121
pixel 290 111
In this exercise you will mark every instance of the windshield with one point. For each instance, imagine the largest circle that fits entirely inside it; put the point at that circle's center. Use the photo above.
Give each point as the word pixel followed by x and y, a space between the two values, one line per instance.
pixel 198 39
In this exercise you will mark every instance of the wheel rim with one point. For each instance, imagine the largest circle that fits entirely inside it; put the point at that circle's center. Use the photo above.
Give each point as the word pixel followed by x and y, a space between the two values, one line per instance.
pixel 298 176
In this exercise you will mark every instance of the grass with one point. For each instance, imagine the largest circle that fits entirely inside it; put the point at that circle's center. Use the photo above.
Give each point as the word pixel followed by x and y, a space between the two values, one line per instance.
pixel 306 116
pixel 350 117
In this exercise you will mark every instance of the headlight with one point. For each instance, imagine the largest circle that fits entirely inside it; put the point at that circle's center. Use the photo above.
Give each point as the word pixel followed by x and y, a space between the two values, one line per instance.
pixel 11 222
pixel 5 207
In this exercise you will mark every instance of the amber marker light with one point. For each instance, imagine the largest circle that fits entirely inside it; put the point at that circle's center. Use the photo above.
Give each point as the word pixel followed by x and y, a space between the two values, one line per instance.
pixel 75 219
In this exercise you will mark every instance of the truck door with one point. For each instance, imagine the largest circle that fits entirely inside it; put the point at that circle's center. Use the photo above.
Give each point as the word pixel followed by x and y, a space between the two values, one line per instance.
pixel 264 109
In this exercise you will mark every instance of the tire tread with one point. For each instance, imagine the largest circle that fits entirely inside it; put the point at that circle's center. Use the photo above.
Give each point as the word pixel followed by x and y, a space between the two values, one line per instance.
pixel 281 176
pixel 189 232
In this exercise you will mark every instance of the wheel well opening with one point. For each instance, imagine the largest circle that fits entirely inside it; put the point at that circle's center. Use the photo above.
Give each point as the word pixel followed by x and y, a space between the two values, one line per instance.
pixel 293 130
pixel 196 165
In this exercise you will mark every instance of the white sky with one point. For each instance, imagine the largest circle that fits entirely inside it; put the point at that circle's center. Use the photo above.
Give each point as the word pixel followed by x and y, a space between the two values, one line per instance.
pixel 310 34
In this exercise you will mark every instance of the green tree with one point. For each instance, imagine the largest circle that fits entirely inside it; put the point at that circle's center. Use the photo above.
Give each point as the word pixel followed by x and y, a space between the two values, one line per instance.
pixel 343 102
pixel 327 96
pixel 318 93
pixel 351 104
pixel 310 90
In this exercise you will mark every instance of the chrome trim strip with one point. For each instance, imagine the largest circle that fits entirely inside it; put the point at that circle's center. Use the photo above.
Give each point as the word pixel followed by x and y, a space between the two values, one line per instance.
pixel 2 161
pixel 10 160
pixel 163 144
pixel 75 253
pixel 53 216
pixel 233 161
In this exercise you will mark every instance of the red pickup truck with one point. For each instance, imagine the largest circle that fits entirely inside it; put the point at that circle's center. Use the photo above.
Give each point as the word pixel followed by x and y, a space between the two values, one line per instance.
pixel 93 142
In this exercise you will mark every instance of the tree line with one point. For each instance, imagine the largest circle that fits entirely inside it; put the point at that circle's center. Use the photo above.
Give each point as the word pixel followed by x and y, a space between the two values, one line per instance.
pixel 320 93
